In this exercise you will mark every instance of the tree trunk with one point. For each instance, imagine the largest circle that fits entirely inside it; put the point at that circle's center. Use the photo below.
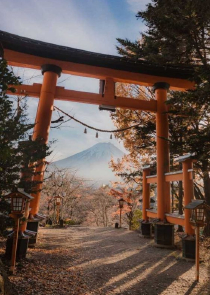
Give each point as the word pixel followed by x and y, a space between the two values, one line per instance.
pixel 180 207
pixel 206 183
pixel 172 197
pixel 130 224
pixel 106 215
pixel 130 220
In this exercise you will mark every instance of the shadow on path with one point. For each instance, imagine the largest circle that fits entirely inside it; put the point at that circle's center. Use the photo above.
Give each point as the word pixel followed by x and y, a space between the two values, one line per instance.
pixel 118 261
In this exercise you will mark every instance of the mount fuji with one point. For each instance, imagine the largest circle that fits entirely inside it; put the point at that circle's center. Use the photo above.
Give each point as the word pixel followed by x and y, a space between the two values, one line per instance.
pixel 93 163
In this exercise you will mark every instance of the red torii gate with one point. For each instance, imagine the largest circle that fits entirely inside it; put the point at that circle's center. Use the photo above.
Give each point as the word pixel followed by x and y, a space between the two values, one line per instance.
pixel 186 176
pixel 53 59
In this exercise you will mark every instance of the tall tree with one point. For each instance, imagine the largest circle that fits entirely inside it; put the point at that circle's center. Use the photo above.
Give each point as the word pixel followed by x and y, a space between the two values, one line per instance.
pixel 130 205
pixel 71 188
pixel 19 155
pixel 179 34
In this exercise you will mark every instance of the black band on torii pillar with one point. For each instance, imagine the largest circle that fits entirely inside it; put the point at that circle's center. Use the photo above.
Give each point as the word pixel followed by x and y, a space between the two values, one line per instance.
pixel 161 85
pixel 51 68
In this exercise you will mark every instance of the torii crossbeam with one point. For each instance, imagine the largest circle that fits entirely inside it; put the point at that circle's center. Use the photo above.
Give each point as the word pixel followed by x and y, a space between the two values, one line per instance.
pixel 53 59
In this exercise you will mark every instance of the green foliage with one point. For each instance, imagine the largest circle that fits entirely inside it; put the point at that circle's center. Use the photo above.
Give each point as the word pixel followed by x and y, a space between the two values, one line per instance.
pixel 19 156
pixel 178 35
pixel 178 32
pixel 10 130
pixel 5 220
pixel 137 215
pixel 70 222
pixel 33 154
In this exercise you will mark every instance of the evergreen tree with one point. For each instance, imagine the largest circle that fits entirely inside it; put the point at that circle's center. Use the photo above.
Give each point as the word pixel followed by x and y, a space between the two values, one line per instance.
pixel 19 156
pixel 179 34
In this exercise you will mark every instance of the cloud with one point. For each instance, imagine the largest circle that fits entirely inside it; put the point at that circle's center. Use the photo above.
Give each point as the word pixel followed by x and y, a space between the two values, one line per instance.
pixel 138 5
pixel 89 25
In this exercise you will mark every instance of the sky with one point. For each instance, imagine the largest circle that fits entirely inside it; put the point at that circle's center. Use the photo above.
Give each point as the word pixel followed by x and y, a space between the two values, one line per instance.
pixel 91 25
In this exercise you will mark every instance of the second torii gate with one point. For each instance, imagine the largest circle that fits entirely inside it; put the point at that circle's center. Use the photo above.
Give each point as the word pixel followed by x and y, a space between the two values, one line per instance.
pixel 53 59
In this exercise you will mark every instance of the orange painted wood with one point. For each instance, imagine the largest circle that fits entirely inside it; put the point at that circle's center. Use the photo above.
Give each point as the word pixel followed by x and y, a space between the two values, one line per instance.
pixel 146 194
pixel 175 220
pixel 42 128
pixel 152 179
pixel 191 174
pixel 98 99
pixel 91 98
pixel 34 62
pixel 40 170
pixel 162 130
pixel 151 214
pixel 27 90
pixel 136 104
pixel 45 108
pixel 109 92
pixel 174 177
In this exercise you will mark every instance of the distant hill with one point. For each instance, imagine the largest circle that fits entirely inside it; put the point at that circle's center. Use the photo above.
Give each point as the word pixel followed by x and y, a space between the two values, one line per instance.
pixel 93 162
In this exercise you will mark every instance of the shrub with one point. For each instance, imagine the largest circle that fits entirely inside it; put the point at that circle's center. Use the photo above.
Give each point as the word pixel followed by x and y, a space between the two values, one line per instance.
pixel 137 215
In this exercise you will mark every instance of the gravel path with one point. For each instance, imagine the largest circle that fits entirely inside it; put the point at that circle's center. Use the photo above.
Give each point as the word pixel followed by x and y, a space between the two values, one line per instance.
pixel 114 261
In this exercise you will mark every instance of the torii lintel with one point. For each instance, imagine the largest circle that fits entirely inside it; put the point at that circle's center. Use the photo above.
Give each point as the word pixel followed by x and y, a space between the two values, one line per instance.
pixel 25 52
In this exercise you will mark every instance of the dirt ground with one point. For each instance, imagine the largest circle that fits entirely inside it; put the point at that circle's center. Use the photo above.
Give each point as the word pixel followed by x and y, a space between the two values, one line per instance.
pixel 93 261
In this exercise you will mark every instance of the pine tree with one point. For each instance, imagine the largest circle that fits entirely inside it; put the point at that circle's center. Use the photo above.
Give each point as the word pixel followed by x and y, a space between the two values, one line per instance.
pixel 179 34
pixel 19 155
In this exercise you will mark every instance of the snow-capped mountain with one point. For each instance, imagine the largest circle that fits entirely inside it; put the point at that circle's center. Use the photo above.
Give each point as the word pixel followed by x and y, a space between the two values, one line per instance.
pixel 93 162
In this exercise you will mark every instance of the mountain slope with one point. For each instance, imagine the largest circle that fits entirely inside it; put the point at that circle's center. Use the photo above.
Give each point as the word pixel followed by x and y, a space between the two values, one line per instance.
pixel 93 162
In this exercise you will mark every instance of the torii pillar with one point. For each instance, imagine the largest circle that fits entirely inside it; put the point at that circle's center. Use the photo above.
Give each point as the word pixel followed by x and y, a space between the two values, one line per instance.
pixel 146 193
pixel 163 159
pixel 42 128
pixel 162 229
